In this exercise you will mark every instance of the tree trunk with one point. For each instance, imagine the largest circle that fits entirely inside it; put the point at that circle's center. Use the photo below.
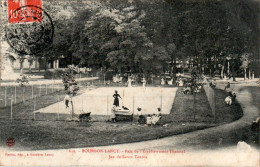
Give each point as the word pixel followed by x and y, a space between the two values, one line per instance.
pixel 174 68
pixel 30 68
pixel 171 68
pixel 72 109
pixel 194 105
pixel 228 68
pixel 21 67
pixel 39 61
pixel 244 73
pixel 222 71
pixel 200 65
pixel 46 63
pixel 249 74
pixel 233 70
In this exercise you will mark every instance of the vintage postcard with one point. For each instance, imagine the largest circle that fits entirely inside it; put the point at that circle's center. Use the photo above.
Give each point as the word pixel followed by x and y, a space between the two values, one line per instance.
pixel 129 83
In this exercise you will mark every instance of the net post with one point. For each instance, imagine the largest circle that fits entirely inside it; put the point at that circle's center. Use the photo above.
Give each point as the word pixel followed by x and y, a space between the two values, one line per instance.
pixel 15 94
pixel 107 105
pixel 12 108
pixel 40 90
pixel 133 107
pixel 23 93
pixel 32 91
pixel 58 107
pixel 5 96
pixel 34 108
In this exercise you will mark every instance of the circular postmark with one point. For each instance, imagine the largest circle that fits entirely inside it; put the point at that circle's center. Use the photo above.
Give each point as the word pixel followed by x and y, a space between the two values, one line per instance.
pixel 10 142
pixel 32 30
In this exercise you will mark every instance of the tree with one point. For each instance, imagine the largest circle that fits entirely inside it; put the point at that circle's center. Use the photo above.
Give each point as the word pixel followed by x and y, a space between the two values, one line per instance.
pixel 70 84
pixel 245 62
pixel 171 48
pixel 30 60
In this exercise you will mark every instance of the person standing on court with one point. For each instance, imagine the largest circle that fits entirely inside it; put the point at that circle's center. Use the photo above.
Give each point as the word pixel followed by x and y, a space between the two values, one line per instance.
pixel 144 83
pixel 116 99
pixel 67 99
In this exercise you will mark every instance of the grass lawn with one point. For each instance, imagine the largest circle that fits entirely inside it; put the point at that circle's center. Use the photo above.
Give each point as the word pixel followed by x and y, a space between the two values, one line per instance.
pixel 31 135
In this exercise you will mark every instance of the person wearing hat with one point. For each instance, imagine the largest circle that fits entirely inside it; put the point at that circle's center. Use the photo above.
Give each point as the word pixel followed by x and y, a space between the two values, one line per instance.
pixel 116 99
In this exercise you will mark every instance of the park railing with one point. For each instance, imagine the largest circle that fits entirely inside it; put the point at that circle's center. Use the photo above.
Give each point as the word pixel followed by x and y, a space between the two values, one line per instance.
pixel 18 94
pixel 211 97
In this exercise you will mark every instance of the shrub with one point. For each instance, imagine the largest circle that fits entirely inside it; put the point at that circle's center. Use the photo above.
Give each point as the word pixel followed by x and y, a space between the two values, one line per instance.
pixel 108 75
pixel 48 74
pixel 58 73
pixel 55 74
pixel 23 80
pixel 70 85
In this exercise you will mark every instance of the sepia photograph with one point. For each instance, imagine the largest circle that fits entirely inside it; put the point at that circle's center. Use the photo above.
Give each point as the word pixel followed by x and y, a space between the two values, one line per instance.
pixel 129 83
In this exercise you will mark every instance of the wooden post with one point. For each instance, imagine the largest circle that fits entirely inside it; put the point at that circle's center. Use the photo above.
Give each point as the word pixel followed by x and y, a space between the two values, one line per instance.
pixel 194 96
pixel 40 90
pixel 34 108
pixel 12 108
pixel 14 94
pixel 52 86
pixel 161 103
pixel 5 96
pixel 23 93
pixel 104 79
pixel 82 104
pixel 32 91
pixel 72 107
pixel 214 106
pixel 58 107
pixel 133 107
pixel 107 105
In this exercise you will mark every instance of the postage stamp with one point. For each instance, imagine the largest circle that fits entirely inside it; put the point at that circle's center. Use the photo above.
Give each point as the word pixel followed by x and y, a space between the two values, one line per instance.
pixel 25 14
pixel 30 29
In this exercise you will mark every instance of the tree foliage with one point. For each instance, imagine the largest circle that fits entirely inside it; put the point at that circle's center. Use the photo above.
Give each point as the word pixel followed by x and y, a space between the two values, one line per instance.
pixel 147 36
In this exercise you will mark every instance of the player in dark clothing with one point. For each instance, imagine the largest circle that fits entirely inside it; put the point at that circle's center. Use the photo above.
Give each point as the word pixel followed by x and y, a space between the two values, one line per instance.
pixel 228 86
pixel 116 100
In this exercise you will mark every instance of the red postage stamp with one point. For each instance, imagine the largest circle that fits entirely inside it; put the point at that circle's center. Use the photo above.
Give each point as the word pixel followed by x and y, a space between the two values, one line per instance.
pixel 18 14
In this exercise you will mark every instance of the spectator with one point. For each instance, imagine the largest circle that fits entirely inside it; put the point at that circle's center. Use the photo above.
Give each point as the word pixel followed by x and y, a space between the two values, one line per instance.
pixel 113 114
pixel 129 82
pixel 170 82
pixel 144 83
pixel 155 119
pixel 149 120
pixel 228 86
pixel 67 99
pixel 213 84
pixel 141 119
pixel 234 97
pixel 162 82
pixel 187 90
pixel 181 82
pixel 228 100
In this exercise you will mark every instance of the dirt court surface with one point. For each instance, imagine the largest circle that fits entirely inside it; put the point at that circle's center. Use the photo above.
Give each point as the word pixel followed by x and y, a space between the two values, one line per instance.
pixel 100 101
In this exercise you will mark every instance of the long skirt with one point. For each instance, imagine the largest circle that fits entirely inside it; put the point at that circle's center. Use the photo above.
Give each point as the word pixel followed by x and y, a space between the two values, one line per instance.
pixel 116 102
